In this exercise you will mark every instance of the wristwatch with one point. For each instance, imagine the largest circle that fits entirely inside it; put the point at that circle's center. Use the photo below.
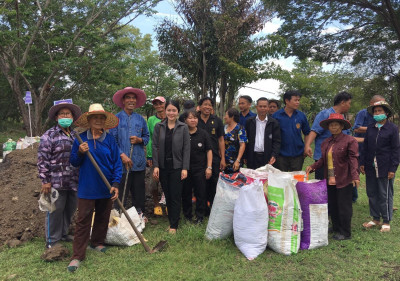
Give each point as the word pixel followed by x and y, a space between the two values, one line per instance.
pixel 209 167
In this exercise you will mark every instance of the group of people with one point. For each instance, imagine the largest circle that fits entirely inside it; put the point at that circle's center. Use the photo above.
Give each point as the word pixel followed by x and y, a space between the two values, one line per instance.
pixel 186 152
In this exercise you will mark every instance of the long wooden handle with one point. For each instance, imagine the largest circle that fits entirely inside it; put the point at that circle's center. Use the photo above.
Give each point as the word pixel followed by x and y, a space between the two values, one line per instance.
pixel 139 235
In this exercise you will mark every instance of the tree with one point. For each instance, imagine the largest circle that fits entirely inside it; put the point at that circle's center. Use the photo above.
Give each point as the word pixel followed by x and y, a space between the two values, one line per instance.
pixel 58 48
pixel 318 86
pixel 215 50
pixel 365 33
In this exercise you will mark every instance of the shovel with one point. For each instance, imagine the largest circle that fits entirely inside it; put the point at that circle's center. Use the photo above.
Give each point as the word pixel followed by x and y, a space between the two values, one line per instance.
pixel 160 245
pixel 126 178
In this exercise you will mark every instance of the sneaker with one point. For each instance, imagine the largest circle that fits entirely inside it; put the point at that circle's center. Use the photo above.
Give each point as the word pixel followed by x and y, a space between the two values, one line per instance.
pixel 163 201
pixel 143 217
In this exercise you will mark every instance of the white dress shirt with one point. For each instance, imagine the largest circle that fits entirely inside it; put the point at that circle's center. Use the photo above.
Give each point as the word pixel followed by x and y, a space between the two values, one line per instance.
pixel 260 131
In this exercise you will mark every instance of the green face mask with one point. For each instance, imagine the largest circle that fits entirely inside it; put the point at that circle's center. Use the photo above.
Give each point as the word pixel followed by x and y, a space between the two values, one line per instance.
pixel 65 122
pixel 380 117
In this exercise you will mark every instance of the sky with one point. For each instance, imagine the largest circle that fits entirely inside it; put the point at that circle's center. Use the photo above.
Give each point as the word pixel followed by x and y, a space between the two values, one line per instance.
pixel 268 88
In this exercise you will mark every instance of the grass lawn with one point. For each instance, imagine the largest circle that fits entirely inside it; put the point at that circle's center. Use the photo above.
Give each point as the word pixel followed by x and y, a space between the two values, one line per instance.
pixel 369 255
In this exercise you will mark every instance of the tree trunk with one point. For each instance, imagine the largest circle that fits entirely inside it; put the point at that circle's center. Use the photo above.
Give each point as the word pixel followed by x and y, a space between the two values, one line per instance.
pixel 222 94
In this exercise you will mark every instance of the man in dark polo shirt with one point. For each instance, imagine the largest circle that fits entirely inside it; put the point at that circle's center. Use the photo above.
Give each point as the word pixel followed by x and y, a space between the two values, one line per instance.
pixel 214 127
pixel 244 107
pixel 292 122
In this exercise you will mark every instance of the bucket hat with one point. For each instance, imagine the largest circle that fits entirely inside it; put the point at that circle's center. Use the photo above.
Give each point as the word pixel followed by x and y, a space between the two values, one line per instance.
pixel 335 117
pixel 76 111
pixel 384 104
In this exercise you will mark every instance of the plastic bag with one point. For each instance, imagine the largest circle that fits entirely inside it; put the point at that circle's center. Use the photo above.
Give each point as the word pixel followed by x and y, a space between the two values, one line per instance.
pixel 120 232
pixel 313 196
pixel 220 223
pixel 8 146
pixel 250 220
pixel 285 221
pixel 47 201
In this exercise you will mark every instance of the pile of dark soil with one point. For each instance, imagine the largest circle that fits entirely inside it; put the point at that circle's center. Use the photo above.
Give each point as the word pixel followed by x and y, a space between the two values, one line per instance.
pixel 20 216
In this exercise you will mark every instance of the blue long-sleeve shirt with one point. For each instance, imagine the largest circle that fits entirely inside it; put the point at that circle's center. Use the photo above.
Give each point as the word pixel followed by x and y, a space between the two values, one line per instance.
pixel 106 153
pixel 132 125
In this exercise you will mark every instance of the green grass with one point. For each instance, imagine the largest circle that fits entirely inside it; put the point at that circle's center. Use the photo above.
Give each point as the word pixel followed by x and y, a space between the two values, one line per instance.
pixel 369 255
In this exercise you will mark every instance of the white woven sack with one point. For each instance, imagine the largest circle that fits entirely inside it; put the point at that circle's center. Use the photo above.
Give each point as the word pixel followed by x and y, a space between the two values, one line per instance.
pixel 123 234
pixel 250 220
pixel 220 223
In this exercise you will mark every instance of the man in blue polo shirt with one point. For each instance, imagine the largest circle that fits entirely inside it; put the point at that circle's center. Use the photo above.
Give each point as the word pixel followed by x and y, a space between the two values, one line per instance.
pixel 244 107
pixel 292 123
pixel 341 104
pixel 363 119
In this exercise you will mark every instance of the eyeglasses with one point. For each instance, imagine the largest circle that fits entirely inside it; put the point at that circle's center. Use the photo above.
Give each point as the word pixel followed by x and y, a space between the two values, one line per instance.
pixel 64 114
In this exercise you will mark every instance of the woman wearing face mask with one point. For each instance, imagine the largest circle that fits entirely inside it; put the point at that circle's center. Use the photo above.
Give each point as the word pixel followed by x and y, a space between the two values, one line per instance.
pixel 171 159
pixel 339 160
pixel 379 162
pixel 235 141
pixel 56 172
pixel 200 168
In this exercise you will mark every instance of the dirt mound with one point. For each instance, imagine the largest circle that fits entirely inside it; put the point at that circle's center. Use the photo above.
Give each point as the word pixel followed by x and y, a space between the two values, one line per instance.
pixel 20 216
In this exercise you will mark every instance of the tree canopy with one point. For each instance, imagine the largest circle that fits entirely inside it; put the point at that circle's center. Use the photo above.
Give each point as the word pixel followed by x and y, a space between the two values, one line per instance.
pixel 56 49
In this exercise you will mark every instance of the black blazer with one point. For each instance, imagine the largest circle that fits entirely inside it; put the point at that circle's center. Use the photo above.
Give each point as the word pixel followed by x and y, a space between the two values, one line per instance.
pixel 272 140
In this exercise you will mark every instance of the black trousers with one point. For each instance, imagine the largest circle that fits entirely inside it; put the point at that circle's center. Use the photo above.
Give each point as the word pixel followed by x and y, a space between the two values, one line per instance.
pixel 137 188
pixel 340 205
pixel 319 173
pixel 171 184
pixel 196 180
pixel 211 185
pixel 289 164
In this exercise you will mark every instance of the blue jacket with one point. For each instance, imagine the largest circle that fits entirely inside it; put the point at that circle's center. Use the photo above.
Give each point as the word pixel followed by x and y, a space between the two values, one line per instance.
pixel 132 125
pixel 106 153
pixel 384 144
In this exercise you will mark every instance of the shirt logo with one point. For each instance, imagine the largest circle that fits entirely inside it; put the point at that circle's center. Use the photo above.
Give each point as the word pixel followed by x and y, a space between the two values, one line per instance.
pixel 298 125
pixel 200 144
pixel 213 131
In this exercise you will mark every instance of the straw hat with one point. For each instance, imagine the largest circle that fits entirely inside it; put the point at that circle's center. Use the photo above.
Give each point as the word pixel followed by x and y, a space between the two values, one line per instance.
pixel 118 97
pixel 96 108
pixel 76 111
pixel 384 104
pixel 335 117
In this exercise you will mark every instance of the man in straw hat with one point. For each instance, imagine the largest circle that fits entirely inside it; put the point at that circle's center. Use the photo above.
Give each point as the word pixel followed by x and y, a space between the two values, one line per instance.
pixel 379 162
pixel 132 131
pixel 55 171
pixel 93 192
pixel 339 154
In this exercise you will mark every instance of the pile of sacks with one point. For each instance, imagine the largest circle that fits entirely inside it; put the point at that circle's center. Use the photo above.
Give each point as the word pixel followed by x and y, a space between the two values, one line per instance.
pixel 22 143
pixel 267 207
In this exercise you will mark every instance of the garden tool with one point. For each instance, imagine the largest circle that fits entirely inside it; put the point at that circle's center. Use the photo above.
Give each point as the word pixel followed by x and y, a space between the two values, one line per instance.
pixel 126 178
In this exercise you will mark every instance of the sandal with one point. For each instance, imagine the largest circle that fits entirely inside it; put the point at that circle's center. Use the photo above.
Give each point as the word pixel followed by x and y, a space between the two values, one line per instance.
pixel 158 211
pixel 100 248
pixel 172 231
pixel 385 228
pixel 370 224
pixel 73 265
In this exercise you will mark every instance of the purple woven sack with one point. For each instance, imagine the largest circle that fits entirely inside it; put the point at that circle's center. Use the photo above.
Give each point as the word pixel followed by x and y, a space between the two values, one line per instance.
pixel 313 197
